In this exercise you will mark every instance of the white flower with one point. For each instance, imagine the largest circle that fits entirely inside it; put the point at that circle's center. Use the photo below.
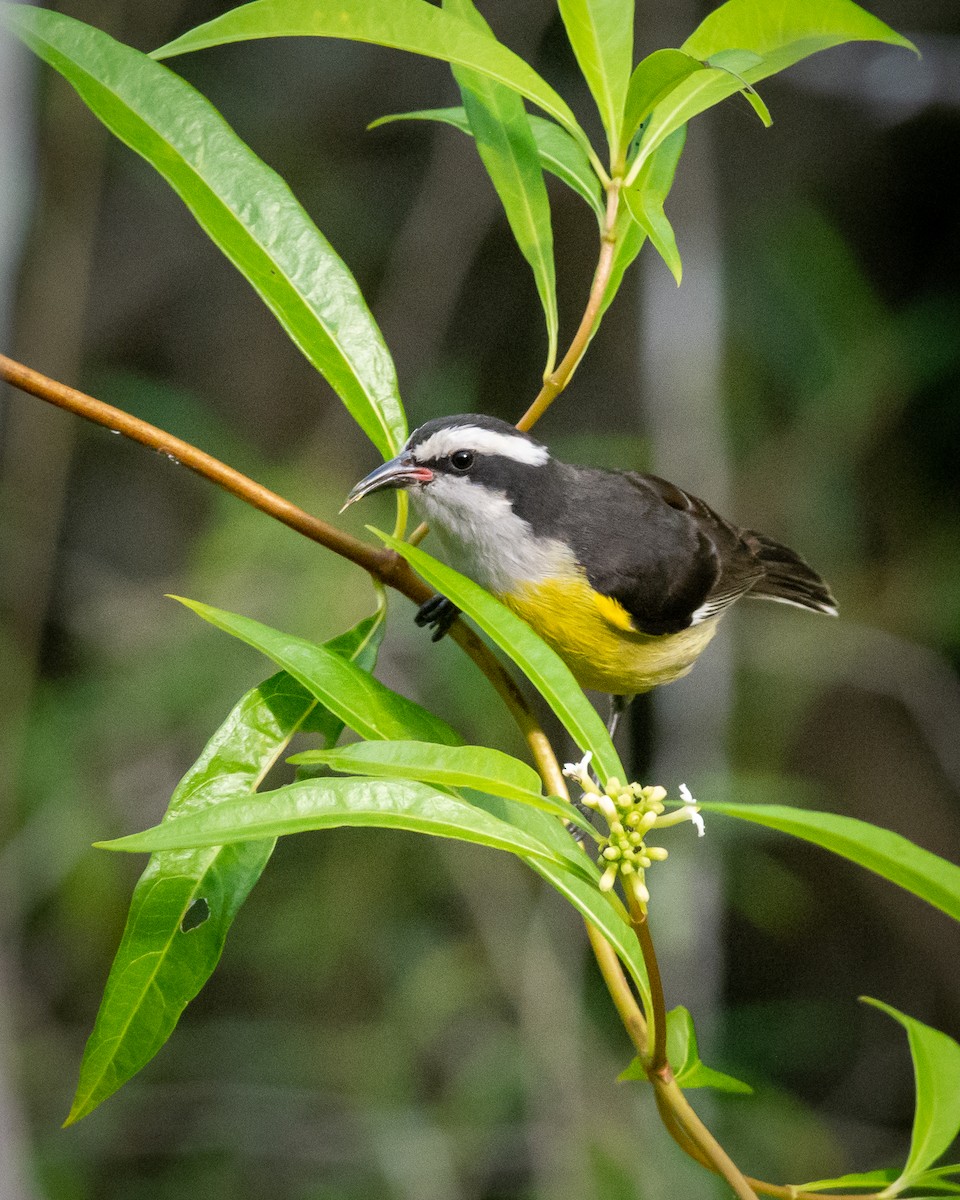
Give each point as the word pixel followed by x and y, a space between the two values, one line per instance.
pixel 691 810
pixel 580 773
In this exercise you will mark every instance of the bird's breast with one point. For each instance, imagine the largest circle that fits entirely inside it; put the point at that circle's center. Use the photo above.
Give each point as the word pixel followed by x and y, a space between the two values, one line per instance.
pixel 592 634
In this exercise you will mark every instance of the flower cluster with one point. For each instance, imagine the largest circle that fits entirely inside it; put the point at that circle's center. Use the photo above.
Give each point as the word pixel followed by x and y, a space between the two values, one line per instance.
pixel 631 812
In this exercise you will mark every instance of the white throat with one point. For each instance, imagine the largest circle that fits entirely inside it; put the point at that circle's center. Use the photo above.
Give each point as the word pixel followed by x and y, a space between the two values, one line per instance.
pixel 485 539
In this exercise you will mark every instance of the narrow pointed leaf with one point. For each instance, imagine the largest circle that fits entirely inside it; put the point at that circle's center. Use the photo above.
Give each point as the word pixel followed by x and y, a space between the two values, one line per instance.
pixel 162 962
pixel 779 32
pixel 476 767
pixel 874 1180
pixel 645 199
pixel 684 1058
pixel 360 701
pixel 542 665
pixel 936 1070
pixel 939 1177
pixel 505 143
pixel 313 804
pixel 244 207
pixel 888 854
pixel 412 25
pixel 652 81
pixel 601 34
pixel 559 153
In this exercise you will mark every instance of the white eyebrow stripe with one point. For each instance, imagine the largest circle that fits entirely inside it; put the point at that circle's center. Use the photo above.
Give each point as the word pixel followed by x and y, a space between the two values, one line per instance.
pixel 484 441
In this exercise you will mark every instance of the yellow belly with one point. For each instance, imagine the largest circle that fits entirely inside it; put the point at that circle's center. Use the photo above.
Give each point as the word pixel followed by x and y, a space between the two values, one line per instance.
pixel 593 635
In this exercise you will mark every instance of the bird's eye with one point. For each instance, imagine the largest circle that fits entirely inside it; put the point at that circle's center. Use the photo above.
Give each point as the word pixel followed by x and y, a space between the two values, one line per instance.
pixel 461 460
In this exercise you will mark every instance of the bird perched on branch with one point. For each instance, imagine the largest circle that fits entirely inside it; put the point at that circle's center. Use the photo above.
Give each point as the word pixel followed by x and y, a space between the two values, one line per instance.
pixel 625 575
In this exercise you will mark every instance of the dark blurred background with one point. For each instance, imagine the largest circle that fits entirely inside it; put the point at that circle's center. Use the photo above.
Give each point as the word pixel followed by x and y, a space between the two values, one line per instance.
pixel 433 1027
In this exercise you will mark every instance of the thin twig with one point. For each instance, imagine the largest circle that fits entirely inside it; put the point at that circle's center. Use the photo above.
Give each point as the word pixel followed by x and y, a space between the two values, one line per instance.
pixel 554 383
pixel 657 1064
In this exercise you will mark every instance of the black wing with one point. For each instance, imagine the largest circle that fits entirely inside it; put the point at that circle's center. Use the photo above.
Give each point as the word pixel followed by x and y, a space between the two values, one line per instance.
pixel 662 553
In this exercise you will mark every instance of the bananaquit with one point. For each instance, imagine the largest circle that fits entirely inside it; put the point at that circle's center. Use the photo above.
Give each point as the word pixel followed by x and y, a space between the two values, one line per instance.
pixel 625 575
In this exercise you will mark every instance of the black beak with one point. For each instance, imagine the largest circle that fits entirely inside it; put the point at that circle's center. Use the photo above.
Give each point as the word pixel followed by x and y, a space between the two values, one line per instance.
pixel 399 472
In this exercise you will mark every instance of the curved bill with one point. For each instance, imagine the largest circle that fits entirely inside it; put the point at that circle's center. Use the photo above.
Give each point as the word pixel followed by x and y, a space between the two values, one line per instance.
pixel 399 472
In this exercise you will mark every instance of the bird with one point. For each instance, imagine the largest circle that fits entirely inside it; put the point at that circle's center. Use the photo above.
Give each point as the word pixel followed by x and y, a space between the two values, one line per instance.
pixel 625 575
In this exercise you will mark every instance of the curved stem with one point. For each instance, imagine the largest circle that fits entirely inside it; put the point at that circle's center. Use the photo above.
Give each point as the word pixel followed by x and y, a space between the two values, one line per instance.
pixel 671 1095
pixel 557 380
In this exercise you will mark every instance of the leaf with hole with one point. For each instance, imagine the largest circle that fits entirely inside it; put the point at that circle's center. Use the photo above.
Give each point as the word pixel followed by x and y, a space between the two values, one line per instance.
pixel 185 902
pixel 240 203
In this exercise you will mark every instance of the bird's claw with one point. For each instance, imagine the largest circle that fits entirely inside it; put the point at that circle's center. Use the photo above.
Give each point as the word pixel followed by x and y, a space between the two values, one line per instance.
pixel 438 613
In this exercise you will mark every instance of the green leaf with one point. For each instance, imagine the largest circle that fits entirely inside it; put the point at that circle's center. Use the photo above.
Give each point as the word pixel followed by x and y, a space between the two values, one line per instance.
pixel 359 700
pixel 476 767
pixel 164 959
pixel 652 81
pixel 646 196
pixel 875 1180
pixel 936 1070
pixel 312 804
pixel 244 207
pixel 412 25
pixel 506 146
pixel 778 32
pixel 601 34
pixel 684 1058
pixel 888 854
pixel 939 1178
pixel 559 153
pixel 542 665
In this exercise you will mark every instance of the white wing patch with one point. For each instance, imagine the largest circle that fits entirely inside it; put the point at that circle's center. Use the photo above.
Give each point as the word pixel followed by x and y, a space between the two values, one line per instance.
pixel 483 441
pixel 714 605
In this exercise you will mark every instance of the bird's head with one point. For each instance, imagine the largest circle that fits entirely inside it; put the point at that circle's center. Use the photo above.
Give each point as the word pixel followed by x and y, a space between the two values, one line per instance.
pixel 462 468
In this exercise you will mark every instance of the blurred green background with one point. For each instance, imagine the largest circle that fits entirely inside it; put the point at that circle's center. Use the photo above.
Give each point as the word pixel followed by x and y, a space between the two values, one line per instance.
pixel 430 1025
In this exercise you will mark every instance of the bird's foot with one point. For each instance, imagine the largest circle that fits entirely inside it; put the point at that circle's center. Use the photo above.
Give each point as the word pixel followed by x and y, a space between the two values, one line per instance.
pixel 438 613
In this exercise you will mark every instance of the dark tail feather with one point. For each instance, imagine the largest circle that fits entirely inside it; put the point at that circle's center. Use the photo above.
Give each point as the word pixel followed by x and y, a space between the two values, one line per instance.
pixel 787 577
